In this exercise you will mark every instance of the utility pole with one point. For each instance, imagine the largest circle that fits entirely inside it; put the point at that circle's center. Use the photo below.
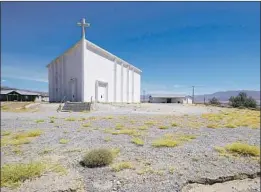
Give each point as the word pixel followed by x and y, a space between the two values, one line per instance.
pixel 144 96
pixel 193 94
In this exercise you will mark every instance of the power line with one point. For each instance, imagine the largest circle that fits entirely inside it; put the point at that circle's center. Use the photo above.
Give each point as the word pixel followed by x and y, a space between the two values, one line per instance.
pixel 193 92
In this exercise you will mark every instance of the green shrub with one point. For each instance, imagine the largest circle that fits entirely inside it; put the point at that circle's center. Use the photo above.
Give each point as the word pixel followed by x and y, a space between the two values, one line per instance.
pixel 242 100
pixel 214 101
pixel 97 158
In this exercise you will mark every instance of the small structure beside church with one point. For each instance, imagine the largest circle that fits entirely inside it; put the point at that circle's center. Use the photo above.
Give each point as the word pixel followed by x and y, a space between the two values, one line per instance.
pixel 86 73
pixel 18 95
pixel 170 98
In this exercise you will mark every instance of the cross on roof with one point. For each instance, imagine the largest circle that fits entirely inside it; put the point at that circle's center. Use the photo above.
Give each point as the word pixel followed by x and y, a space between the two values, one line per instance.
pixel 83 24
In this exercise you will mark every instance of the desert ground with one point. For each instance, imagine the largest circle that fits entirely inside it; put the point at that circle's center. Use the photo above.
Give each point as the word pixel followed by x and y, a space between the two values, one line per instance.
pixel 156 147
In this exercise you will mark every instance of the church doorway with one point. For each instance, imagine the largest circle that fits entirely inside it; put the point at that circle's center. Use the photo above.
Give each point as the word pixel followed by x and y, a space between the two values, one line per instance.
pixel 101 91
pixel 73 89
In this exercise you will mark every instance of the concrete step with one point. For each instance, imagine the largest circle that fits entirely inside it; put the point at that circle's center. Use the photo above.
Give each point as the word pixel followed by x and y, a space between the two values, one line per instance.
pixel 76 106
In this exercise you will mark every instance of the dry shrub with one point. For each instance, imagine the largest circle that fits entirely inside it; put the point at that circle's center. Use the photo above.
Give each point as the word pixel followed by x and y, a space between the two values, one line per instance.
pixel 97 158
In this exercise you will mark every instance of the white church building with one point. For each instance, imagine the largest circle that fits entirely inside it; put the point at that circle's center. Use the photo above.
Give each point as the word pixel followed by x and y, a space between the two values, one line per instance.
pixel 88 73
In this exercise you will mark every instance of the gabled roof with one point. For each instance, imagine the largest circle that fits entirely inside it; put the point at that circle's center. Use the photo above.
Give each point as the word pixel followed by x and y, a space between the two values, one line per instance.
pixel 100 51
pixel 5 92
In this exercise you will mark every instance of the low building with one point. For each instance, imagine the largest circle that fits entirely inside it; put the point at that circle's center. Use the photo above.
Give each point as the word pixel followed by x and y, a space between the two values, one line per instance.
pixel 45 97
pixel 17 95
pixel 183 99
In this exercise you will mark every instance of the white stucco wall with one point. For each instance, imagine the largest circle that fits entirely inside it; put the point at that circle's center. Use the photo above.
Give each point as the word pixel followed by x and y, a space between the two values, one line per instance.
pixel 188 100
pixel 101 69
pixel 130 86
pixel 124 85
pixel 61 71
pixel 137 79
pixel 118 83
pixel 73 69
pixel 50 82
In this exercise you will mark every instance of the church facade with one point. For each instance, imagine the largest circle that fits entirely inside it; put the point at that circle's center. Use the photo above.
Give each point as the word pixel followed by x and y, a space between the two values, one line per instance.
pixel 88 73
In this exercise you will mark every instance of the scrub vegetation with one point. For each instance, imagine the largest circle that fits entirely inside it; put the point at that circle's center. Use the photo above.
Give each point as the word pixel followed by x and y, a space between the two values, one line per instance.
pixel 172 140
pixel 20 137
pixel 97 158
pixel 121 166
pixel 241 149
pixel 137 141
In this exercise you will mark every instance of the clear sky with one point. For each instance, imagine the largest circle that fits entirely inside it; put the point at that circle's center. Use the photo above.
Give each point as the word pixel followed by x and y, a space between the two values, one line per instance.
pixel 212 45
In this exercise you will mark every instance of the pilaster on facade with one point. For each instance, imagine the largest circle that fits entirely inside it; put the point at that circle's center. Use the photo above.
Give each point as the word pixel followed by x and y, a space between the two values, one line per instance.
pixel 83 52
pixel 132 85
pixel 115 81
pixel 122 76
pixel 61 78
pixel 54 82
pixel 127 84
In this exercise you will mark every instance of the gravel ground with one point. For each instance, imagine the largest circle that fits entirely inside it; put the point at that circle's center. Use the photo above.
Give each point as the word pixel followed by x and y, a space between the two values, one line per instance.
pixel 192 161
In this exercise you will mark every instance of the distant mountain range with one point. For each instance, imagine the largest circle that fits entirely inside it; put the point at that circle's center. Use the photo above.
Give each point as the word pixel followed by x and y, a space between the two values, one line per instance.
pixel 222 96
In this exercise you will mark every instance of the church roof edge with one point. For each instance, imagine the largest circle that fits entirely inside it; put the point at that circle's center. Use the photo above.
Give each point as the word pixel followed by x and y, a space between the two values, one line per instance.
pixel 105 53
pixel 89 43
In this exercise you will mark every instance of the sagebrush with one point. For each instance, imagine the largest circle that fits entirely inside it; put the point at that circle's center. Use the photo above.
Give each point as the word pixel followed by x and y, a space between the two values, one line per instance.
pixel 97 158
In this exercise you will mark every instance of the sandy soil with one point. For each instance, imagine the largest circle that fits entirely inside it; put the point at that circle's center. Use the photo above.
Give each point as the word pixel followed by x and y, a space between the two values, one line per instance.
pixel 172 168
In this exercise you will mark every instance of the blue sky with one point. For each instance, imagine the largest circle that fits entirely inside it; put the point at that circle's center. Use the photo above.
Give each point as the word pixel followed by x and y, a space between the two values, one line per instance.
pixel 212 45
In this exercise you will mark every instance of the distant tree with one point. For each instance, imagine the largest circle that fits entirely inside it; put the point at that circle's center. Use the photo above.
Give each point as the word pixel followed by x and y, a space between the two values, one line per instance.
pixel 242 101
pixel 250 103
pixel 214 101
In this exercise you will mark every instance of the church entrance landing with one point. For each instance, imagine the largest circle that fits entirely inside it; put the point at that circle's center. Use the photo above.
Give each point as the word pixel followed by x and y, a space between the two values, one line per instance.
pixel 101 91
